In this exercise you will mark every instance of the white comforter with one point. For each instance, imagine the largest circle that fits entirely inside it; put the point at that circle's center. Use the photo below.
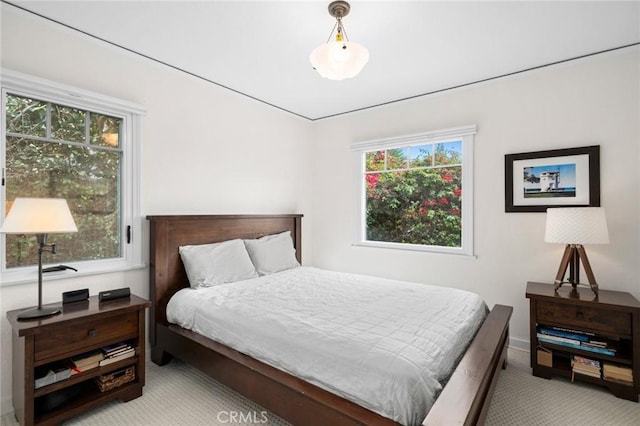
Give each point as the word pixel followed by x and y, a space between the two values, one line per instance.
pixel 386 345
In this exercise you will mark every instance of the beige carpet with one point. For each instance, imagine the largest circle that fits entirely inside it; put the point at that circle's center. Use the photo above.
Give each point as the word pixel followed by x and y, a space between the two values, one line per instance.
pixel 177 394
pixel 522 399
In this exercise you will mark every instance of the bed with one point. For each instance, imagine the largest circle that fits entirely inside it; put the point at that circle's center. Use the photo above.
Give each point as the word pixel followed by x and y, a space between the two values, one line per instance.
pixel 464 400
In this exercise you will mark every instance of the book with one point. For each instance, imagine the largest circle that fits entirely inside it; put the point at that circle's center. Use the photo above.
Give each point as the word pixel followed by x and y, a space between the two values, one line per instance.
pixel 627 373
pixel 118 351
pixel 585 373
pixel 586 361
pixel 558 339
pixel 569 334
pixel 107 350
pixel 585 366
pixel 621 377
pixel 594 349
pixel 586 369
pixel 122 355
pixel 87 360
pixel 595 344
pixel 616 368
pixel 628 382
pixel 610 371
pixel 568 330
pixel 627 377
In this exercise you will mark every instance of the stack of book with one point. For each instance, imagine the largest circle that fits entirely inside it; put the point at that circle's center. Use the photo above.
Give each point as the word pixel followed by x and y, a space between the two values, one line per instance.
pixel 585 366
pixel 117 352
pixel 87 360
pixel 574 339
pixel 616 372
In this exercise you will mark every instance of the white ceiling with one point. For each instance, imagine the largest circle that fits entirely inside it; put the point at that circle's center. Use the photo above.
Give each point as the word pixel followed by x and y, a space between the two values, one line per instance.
pixel 261 48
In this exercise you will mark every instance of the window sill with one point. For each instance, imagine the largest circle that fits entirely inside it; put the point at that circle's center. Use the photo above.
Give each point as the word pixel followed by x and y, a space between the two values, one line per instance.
pixel 31 276
pixel 415 247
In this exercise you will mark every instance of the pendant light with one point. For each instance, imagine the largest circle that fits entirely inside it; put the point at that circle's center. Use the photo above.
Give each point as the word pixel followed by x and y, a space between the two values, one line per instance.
pixel 339 58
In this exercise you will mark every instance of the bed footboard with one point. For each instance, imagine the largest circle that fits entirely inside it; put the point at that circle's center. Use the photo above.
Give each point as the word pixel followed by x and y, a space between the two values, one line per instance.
pixel 466 398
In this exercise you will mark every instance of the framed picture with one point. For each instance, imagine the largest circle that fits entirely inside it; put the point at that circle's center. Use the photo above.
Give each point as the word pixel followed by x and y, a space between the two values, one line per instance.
pixel 535 181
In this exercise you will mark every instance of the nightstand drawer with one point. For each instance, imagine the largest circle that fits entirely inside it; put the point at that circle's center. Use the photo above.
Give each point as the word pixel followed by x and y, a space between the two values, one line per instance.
pixel 585 317
pixel 67 338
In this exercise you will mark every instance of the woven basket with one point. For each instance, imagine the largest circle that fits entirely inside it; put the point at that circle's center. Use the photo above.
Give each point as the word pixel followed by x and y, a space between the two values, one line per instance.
pixel 110 381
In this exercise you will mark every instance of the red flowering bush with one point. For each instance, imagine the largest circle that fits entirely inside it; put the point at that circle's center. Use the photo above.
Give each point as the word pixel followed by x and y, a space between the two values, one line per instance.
pixel 372 179
pixel 415 206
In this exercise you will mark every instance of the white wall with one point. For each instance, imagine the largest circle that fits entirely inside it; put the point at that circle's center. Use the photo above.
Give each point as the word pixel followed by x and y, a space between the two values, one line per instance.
pixel 594 101
pixel 204 148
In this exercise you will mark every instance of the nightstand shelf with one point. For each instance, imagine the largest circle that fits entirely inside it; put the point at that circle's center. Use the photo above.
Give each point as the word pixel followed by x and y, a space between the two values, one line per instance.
pixel 89 374
pixel 613 319
pixel 82 327
pixel 621 357
pixel 92 397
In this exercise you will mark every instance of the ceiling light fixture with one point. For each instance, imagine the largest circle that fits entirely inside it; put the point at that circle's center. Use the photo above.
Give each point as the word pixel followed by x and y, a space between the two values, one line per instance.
pixel 339 59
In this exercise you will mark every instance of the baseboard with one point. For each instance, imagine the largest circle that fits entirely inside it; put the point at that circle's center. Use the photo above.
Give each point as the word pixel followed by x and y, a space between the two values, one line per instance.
pixel 6 406
pixel 520 344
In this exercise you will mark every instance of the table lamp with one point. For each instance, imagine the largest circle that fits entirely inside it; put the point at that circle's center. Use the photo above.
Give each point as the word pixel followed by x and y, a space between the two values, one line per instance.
pixel 576 226
pixel 39 216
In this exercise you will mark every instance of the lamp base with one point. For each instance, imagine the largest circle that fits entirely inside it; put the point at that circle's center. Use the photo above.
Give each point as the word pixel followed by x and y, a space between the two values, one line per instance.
pixel 35 313
pixel 573 255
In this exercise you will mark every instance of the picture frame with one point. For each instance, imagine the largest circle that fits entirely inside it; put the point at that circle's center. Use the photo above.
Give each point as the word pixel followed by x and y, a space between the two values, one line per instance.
pixel 535 181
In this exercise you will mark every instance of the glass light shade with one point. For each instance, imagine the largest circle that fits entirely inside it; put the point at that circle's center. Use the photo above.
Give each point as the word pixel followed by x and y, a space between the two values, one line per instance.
pixel 338 60
pixel 39 216
pixel 576 225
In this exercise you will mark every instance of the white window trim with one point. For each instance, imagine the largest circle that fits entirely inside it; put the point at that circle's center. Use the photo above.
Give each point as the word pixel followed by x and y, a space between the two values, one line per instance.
pixel 466 134
pixel 45 90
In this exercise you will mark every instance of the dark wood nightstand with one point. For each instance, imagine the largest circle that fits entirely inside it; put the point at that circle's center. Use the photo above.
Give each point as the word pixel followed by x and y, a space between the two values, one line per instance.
pixel 80 328
pixel 605 330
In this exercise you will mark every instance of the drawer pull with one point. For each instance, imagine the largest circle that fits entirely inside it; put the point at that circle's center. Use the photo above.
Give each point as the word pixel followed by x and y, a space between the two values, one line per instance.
pixel 579 315
pixel 93 332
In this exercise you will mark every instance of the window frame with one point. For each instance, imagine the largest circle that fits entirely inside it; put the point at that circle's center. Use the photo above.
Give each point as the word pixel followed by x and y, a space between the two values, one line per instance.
pixel 465 134
pixel 20 84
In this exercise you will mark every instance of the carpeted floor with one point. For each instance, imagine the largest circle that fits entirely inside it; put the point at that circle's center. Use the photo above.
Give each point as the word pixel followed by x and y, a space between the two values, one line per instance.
pixel 178 394
pixel 522 399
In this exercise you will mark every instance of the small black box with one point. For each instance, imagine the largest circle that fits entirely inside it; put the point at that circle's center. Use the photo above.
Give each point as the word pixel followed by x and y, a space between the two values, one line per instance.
pixel 118 293
pixel 75 295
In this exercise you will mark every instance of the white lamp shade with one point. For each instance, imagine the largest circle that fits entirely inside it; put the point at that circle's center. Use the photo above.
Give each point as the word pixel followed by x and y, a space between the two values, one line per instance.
pixel 39 216
pixel 576 225
pixel 338 60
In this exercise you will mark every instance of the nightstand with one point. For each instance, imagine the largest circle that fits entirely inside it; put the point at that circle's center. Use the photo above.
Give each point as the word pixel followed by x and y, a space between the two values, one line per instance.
pixel 577 335
pixel 81 328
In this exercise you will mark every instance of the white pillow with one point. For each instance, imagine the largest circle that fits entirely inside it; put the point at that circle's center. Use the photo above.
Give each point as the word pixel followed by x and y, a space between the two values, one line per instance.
pixel 213 264
pixel 272 253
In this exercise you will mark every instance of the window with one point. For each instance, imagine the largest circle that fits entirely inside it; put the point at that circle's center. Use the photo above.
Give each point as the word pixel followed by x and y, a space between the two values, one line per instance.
pixel 416 192
pixel 61 142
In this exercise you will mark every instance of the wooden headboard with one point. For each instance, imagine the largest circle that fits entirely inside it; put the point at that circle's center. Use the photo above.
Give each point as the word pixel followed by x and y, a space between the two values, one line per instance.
pixel 168 233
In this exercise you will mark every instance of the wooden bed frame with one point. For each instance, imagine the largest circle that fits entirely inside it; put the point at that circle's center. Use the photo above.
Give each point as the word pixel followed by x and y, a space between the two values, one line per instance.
pixel 464 400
